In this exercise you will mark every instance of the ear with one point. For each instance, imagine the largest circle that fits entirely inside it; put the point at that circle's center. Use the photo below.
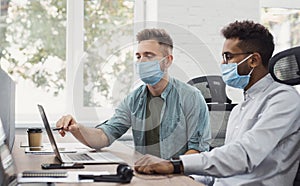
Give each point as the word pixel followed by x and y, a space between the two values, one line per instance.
pixel 168 60
pixel 255 60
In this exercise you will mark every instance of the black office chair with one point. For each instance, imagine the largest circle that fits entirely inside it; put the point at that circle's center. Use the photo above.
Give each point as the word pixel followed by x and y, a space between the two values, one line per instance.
pixel 285 68
pixel 213 90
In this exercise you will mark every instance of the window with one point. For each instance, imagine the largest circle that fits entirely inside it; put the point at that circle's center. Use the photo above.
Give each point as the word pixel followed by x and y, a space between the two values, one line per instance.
pixel 284 24
pixel 43 59
pixel 32 51
pixel 103 72
pixel 84 66
pixel 108 60
pixel 283 21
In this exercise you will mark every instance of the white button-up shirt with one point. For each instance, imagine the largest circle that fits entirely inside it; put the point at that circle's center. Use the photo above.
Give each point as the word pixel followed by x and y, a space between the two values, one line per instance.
pixel 262 144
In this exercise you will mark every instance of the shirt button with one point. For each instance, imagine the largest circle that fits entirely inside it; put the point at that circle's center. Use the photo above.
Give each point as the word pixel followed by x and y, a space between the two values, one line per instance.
pixel 242 108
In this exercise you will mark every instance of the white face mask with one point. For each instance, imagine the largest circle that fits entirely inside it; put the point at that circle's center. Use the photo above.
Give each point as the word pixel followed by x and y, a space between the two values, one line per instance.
pixel 232 78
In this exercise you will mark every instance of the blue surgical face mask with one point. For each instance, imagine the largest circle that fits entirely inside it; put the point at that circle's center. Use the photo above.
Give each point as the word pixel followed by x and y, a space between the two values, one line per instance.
pixel 149 71
pixel 232 78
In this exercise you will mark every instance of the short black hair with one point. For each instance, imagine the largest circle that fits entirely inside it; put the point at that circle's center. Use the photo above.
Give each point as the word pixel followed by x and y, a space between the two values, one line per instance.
pixel 159 35
pixel 253 37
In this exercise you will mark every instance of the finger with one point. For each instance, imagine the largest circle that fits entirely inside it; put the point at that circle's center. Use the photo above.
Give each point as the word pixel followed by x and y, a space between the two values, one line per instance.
pixel 141 169
pixel 62 133
pixel 59 123
pixel 148 170
pixel 66 122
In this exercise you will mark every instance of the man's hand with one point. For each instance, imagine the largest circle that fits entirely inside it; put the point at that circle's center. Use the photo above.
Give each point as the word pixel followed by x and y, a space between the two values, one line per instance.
pixel 149 164
pixel 67 123
pixel 192 151
pixel 92 137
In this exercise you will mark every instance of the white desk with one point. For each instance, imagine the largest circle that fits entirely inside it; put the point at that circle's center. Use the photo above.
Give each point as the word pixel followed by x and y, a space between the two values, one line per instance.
pixel 25 161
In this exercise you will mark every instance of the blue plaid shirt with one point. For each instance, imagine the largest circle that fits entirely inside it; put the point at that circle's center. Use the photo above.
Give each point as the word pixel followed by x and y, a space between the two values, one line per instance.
pixel 184 122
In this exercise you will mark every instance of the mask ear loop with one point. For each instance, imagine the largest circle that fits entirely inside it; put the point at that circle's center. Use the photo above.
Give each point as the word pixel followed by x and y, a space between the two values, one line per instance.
pixel 162 61
pixel 251 71
pixel 245 59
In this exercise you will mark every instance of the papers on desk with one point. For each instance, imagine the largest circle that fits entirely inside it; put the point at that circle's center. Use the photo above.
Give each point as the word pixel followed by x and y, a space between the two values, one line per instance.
pixel 63 148
pixel 71 178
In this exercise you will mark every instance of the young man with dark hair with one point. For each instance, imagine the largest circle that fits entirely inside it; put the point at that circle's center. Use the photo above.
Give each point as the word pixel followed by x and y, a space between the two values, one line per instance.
pixel 262 143
pixel 168 117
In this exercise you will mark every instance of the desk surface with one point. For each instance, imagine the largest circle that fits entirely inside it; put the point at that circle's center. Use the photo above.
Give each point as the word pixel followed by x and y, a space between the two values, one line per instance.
pixel 25 161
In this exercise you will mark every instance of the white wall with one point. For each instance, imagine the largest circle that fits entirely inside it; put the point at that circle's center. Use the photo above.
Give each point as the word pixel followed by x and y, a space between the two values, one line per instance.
pixel 195 28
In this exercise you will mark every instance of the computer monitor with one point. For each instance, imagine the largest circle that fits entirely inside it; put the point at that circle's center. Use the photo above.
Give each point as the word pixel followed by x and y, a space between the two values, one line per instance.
pixel 7 107
pixel 8 173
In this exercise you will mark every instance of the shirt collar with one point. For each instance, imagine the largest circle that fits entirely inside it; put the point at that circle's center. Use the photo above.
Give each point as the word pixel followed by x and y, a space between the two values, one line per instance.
pixel 259 86
pixel 167 90
pixel 164 94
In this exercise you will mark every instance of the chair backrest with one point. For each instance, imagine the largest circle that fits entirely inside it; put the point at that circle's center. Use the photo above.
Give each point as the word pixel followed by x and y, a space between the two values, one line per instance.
pixel 212 88
pixel 219 105
pixel 219 115
pixel 285 68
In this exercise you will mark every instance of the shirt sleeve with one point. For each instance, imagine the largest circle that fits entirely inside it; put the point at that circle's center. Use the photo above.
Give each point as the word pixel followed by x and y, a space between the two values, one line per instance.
pixel 116 126
pixel 269 130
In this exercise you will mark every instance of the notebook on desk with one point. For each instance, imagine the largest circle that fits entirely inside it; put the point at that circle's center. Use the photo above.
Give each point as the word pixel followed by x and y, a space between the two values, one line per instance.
pixel 82 157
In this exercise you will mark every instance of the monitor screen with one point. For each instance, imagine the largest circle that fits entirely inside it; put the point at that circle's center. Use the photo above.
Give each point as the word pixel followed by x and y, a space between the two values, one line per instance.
pixel 7 107
pixel 8 174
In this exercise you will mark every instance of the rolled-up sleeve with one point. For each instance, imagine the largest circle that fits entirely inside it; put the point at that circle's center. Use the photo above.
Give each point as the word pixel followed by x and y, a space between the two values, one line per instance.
pixel 115 127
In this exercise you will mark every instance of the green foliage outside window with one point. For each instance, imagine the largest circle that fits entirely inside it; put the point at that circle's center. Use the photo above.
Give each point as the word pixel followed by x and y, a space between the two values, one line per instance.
pixel 34 36
pixel 33 46
pixel 107 61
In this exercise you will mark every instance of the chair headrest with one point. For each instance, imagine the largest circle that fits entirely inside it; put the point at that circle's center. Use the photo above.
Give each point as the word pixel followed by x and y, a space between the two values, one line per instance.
pixel 212 88
pixel 284 67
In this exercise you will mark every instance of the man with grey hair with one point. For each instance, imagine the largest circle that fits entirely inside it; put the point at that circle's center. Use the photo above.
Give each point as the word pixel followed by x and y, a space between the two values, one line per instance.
pixel 168 117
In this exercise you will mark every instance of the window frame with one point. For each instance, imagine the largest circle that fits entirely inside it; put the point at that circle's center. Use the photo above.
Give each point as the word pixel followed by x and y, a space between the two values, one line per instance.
pixel 89 116
pixel 75 51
